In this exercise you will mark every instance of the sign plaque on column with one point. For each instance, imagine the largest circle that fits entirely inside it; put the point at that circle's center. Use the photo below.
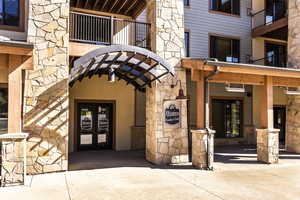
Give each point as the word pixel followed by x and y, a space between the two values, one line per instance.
pixel 172 114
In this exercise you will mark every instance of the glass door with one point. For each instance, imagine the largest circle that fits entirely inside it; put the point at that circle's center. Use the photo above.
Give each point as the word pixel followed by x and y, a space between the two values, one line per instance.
pixel 95 125
pixel 227 118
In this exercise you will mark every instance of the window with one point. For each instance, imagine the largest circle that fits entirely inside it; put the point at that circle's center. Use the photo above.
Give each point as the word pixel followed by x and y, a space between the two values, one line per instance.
pixel 186 2
pixel 227 118
pixel 3 110
pixel 226 6
pixel 276 55
pixel 187 43
pixel 10 13
pixel 225 49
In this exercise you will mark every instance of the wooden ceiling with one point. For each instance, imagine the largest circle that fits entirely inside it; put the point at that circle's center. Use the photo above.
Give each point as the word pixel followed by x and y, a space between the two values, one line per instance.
pixel 130 8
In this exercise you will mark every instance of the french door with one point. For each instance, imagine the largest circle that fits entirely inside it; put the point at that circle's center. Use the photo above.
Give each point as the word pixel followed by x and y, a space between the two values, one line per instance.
pixel 95 125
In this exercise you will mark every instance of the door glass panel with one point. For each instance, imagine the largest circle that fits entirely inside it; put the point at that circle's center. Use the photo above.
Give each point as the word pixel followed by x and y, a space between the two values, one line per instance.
pixel 86 120
pixel 86 139
pixel 103 124
pixel 226 118
pixel 3 110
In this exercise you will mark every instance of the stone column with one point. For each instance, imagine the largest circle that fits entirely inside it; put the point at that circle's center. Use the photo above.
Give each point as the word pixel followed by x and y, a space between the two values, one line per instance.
pixel 46 87
pixel 203 148
pixel 164 146
pixel 268 145
pixel 293 108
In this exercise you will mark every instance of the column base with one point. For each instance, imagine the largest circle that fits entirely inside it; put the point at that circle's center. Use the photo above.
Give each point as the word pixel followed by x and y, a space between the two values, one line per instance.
pixel 203 148
pixel 268 145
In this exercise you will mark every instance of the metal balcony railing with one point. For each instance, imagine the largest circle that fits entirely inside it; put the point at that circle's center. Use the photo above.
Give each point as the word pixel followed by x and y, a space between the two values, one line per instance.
pixel 273 61
pixel 103 30
pixel 269 16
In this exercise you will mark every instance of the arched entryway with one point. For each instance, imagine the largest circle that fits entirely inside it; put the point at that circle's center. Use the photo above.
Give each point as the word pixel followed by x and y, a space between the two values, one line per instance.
pixel 106 115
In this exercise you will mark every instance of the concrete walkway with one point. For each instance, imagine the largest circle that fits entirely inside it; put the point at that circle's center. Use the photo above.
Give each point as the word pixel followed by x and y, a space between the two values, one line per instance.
pixel 139 180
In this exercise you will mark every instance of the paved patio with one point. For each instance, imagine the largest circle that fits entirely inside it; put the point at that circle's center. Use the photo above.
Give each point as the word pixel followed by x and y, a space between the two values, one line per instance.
pixel 126 175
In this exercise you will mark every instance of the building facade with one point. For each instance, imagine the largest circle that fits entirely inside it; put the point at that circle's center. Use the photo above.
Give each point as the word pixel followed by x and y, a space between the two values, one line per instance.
pixel 120 75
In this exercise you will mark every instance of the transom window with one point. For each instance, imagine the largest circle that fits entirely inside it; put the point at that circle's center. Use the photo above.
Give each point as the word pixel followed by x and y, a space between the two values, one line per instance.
pixel 226 6
pixel 10 12
pixel 225 49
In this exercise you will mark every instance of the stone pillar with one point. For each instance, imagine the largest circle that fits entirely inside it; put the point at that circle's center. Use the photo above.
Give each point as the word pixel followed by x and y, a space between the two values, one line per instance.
pixel 268 145
pixel 164 146
pixel 46 87
pixel 203 148
pixel 13 159
pixel 293 108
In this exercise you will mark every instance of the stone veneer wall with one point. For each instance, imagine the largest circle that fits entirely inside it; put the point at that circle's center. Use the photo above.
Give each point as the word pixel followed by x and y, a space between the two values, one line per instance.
pixel 167 40
pixel 12 163
pixel 46 87
pixel 293 108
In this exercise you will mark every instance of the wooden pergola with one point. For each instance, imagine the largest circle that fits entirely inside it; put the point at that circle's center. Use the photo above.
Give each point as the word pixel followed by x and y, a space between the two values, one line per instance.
pixel 247 74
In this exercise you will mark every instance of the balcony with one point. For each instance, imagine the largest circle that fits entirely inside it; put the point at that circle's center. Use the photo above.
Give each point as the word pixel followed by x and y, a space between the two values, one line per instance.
pixel 272 61
pixel 104 30
pixel 271 23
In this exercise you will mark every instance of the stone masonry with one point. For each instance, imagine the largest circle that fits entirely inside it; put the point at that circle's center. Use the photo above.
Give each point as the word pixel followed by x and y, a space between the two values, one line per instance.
pixel 12 159
pixel 46 87
pixel 203 149
pixel 268 145
pixel 167 40
pixel 293 108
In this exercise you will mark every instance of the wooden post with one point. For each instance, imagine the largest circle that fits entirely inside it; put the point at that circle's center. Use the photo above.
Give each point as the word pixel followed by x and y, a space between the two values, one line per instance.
pixel 198 76
pixel 267 104
pixel 15 94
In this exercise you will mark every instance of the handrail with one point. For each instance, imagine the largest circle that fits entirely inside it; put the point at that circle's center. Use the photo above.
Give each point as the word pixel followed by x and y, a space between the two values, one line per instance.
pixel 273 62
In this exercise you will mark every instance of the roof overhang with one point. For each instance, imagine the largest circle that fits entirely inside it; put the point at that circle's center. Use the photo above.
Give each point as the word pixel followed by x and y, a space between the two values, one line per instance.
pixel 130 8
pixel 137 66
pixel 16 48
pixel 244 73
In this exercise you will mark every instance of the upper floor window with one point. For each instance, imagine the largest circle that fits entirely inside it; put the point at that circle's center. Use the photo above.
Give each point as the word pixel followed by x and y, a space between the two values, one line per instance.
pixel 225 49
pixel 10 13
pixel 186 2
pixel 187 43
pixel 226 6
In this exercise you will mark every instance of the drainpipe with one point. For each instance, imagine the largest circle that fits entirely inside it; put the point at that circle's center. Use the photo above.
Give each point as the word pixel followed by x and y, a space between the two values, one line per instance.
pixel 207 113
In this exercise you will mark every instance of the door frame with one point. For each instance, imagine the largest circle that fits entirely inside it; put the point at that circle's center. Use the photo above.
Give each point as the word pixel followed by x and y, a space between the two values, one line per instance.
pixel 285 107
pixel 76 134
pixel 228 98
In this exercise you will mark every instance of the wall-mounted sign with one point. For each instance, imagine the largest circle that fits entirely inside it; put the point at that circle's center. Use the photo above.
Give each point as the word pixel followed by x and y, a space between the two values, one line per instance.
pixel 172 114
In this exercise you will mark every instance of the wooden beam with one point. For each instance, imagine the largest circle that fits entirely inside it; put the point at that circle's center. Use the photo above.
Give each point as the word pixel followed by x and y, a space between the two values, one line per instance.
pixel 113 6
pixel 122 6
pixel 269 28
pixel 286 82
pixel 15 50
pixel 94 12
pixel 131 6
pixel 95 4
pixel 15 94
pixel 266 110
pixel 86 4
pixel 80 49
pixel 3 61
pixel 247 79
pixel 200 96
pixel 234 69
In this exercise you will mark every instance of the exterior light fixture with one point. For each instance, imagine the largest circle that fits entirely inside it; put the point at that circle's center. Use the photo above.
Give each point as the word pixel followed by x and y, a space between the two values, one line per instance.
pixel 294 91
pixel 111 75
pixel 180 92
pixel 229 88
